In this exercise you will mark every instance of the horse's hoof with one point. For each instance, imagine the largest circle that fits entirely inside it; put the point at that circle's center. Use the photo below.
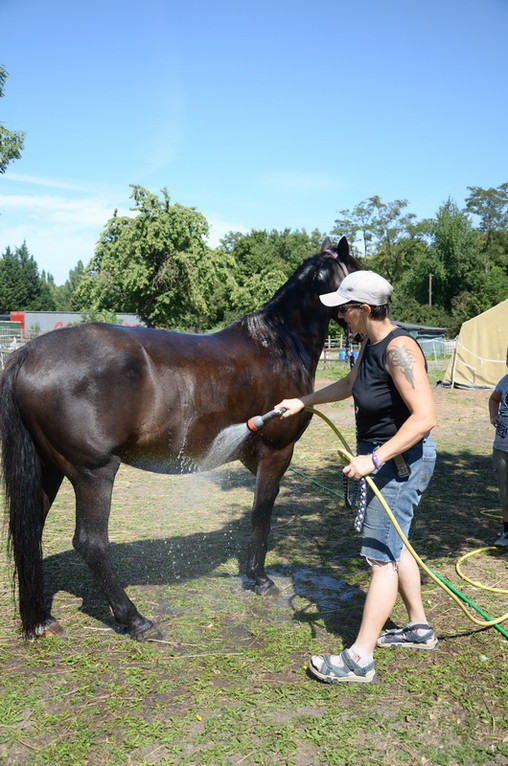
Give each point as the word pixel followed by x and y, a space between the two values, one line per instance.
pixel 266 588
pixel 149 633
pixel 48 629
pixel 55 629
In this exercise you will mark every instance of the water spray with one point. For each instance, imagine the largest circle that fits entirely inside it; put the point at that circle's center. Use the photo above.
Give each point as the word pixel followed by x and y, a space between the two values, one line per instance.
pixel 258 421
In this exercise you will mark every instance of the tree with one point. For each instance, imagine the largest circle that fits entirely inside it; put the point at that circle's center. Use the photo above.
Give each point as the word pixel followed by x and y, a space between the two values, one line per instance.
pixel 356 226
pixel 155 264
pixel 263 261
pixel 407 309
pixel 491 207
pixel 437 273
pixel 11 143
pixel 458 252
pixel 21 287
pixel 387 233
pixel 64 294
pixel 464 283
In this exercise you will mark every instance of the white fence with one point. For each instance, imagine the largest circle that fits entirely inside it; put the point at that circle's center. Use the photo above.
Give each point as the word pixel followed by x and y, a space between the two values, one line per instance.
pixel 8 343
pixel 334 350
pixel 433 347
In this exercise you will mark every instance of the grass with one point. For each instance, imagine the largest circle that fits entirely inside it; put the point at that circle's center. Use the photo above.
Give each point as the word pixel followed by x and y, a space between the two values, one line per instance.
pixel 228 684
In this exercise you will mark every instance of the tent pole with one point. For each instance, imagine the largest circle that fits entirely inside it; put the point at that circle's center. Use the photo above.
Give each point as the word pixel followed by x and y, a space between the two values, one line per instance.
pixel 453 365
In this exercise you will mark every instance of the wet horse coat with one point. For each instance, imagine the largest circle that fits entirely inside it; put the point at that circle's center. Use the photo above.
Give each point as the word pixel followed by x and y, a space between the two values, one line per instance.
pixel 79 401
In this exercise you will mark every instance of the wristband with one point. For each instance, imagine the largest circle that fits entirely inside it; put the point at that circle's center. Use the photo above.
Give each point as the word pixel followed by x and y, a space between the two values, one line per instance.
pixel 375 460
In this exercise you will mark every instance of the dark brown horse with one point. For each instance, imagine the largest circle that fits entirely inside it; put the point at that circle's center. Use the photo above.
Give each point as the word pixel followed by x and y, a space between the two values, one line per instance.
pixel 79 401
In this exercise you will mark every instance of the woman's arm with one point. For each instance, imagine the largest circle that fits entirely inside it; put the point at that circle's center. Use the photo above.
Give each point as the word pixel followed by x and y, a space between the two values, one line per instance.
pixel 335 392
pixel 494 402
pixel 406 365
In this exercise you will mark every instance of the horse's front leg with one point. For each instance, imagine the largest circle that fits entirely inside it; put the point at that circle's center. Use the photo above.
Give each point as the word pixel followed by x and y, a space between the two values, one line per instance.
pixel 270 470
pixel 93 502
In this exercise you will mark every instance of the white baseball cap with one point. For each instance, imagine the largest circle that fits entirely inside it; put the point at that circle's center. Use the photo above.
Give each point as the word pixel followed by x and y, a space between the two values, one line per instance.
pixel 360 287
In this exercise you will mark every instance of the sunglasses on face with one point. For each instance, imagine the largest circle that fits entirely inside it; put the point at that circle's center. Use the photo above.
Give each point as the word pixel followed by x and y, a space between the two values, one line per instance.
pixel 342 310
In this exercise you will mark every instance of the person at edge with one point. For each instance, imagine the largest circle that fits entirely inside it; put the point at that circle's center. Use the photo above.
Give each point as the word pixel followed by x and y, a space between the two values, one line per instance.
pixel 498 412
pixel 394 412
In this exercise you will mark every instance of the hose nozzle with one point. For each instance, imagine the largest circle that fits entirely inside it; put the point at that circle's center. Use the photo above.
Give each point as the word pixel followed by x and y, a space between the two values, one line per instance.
pixel 258 421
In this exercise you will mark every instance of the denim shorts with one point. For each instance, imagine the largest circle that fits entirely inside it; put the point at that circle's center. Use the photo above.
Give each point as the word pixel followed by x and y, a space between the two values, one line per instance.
pixel 381 542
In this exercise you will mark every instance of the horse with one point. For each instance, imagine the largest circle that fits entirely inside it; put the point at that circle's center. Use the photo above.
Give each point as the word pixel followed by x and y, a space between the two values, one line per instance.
pixel 79 401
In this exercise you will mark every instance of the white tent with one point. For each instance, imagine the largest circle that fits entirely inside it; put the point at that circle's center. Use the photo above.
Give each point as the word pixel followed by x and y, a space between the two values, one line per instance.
pixel 479 359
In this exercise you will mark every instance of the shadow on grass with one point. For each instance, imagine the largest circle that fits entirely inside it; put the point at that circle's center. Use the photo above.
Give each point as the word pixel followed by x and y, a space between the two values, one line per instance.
pixel 312 534
pixel 449 518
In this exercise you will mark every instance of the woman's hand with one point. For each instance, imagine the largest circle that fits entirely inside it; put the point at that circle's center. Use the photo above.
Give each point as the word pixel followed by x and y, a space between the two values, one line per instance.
pixel 360 466
pixel 292 407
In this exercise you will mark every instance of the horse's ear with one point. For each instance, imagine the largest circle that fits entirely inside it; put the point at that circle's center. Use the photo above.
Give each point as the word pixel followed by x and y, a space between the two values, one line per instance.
pixel 343 247
pixel 327 244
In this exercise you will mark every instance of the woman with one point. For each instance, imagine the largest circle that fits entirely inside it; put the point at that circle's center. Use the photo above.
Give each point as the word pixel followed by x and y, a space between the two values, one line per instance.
pixel 394 414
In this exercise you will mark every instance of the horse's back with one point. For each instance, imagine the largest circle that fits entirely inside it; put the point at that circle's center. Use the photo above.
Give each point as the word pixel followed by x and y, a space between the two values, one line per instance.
pixel 95 354
pixel 78 359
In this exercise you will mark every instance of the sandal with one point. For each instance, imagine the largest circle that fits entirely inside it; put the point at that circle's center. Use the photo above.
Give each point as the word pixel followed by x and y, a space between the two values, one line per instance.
pixel 348 671
pixel 410 637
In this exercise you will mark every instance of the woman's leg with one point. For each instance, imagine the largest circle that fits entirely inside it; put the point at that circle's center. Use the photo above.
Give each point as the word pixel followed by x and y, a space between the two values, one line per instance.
pixel 500 462
pixel 379 602
pixel 410 587
pixel 386 581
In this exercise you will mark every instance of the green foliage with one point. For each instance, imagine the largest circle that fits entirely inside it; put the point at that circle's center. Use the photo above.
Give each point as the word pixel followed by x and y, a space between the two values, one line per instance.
pixel 448 276
pixel 263 261
pixel 356 226
pixel 458 251
pixel 491 206
pixel 155 264
pixel 63 294
pixel 21 287
pixel 408 309
pixel 11 143
pixel 106 315
pixel 490 288
pixel 388 234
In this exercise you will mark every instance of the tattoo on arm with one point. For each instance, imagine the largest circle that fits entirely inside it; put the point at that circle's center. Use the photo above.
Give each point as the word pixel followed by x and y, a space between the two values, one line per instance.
pixel 403 358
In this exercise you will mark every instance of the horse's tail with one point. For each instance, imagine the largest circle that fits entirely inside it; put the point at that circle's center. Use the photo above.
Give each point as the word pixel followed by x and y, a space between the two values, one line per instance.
pixel 21 473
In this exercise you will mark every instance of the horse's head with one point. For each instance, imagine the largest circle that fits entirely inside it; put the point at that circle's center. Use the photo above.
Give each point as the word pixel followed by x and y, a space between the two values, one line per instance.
pixel 337 263
pixel 340 253
pixel 295 316
pixel 343 263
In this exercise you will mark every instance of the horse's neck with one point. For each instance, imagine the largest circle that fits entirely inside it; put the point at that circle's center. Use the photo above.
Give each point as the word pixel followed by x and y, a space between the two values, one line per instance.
pixel 302 328
pixel 311 337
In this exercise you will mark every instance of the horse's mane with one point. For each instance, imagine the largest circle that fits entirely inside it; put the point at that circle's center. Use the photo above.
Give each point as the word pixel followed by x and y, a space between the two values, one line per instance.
pixel 269 327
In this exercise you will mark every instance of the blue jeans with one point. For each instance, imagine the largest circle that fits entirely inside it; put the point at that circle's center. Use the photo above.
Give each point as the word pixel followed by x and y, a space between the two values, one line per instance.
pixel 381 541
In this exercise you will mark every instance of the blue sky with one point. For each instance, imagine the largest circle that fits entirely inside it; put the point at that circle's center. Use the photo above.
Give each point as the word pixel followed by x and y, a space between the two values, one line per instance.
pixel 270 115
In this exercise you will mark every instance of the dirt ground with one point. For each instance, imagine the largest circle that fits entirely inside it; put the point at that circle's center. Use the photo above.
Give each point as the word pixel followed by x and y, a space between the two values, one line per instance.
pixel 178 543
pixel 215 505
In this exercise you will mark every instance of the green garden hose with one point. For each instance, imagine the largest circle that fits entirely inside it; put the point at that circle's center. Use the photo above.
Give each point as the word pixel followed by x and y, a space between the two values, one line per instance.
pixel 456 595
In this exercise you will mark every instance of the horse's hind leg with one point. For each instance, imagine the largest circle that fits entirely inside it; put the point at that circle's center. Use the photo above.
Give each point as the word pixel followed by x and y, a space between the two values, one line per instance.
pixel 269 473
pixel 51 480
pixel 93 491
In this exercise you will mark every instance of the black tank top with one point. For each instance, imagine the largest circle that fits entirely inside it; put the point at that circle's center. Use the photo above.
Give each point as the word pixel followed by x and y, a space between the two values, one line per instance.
pixel 379 408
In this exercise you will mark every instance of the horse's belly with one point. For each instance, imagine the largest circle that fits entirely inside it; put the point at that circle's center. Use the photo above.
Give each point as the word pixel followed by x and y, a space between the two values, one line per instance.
pixel 171 465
